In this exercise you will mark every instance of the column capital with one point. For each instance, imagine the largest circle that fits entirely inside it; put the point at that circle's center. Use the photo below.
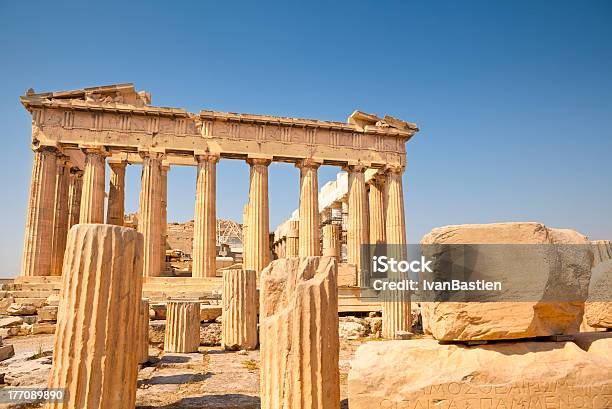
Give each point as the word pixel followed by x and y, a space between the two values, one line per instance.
pixel 117 166
pixel 152 155
pixel 207 157
pixel 63 160
pixel 258 161
pixel 45 149
pixel 308 163
pixel 355 167
pixel 94 150
pixel 397 169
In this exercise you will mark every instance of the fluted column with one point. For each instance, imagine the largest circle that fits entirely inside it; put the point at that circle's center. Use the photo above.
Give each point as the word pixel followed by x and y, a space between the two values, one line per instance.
pixel 92 196
pixel 164 216
pixel 395 304
pixel 331 240
pixel 357 231
pixel 75 187
pixel 309 244
pixel 94 357
pixel 205 224
pixel 143 331
pixel 293 239
pixel 377 211
pixel 258 217
pixel 182 326
pixel 299 334
pixel 239 314
pixel 149 216
pixel 246 253
pixel 116 194
pixel 60 216
pixel 36 258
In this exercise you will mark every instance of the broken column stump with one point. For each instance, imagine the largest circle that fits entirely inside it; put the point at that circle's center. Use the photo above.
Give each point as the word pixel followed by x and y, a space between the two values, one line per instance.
pixel 182 326
pixel 143 331
pixel 239 314
pixel 94 356
pixel 299 334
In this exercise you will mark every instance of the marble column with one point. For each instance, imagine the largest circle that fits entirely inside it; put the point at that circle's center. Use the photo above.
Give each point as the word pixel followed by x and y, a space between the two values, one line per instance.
pixel 331 240
pixel 92 195
pixel 377 211
pixel 182 326
pixel 164 216
pixel 309 244
pixel 293 239
pixel 95 351
pixel 116 194
pixel 75 187
pixel 246 253
pixel 205 224
pixel 60 215
pixel 149 215
pixel 258 217
pixel 36 258
pixel 395 304
pixel 357 231
pixel 239 316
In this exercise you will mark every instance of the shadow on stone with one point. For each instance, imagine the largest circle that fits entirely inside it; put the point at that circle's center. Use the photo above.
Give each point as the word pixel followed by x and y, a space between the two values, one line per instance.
pixel 175 379
pixel 226 401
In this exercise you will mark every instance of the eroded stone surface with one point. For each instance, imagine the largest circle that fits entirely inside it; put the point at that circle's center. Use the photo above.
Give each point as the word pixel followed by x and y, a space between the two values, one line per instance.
pixel 598 308
pixel 182 326
pixel 239 319
pixel 299 333
pixel 566 267
pixel 425 373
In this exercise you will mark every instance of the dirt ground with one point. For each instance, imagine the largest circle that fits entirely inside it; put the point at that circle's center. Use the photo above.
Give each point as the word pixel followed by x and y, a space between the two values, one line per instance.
pixel 210 378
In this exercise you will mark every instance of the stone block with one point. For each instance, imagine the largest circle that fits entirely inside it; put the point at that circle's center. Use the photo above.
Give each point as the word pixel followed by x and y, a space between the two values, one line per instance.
pixel 299 334
pixel 210 312
pixel 596 343
pixel 53 300
pixel 9 332
pixel 6 352
pixel 5 303
pixel 347 275
pixel 21 309
pixel 48 313
pixel 157 311
pixel 10 322
pixel 598 307
pixel 43 328
pixel 424 374
pixel 568 267
pixel 30 319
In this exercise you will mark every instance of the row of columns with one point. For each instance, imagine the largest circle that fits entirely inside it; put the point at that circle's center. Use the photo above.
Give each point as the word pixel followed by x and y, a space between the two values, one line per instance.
pixel 59 192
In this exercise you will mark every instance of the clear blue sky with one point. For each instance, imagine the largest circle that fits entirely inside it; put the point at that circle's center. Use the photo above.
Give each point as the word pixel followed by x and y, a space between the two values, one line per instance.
pixel 513 98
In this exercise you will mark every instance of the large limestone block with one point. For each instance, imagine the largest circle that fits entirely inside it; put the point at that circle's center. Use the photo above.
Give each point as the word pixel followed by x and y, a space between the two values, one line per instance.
pixel 596 343
pixel 425 374
pixel 239 315
pixel 598 308
pixel 182 326
pixel 299 334
pixel 545 270
pixel 94 355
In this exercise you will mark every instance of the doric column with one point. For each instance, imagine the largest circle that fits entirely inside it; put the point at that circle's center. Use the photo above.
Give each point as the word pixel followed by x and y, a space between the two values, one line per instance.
pixel 246 253
pixel 298 315
pixel 258 217
pixel 377 211
pixel 60 215
pixel 395 304
pixel 143 331
pixel 92 196
pixel 331 240
pixel 36 259
pixel 182 326
pixel 94 357
pixel 395 224
pixel 293 239
pixel 239 316
pixel 116 193
pixel 164 216
pixel 75 187
pixel 205 224
pixel 357 230
pixel 309 244
pixel 149 215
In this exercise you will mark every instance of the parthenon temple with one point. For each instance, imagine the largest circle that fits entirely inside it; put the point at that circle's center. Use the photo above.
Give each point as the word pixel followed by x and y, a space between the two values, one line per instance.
pixel 76 133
